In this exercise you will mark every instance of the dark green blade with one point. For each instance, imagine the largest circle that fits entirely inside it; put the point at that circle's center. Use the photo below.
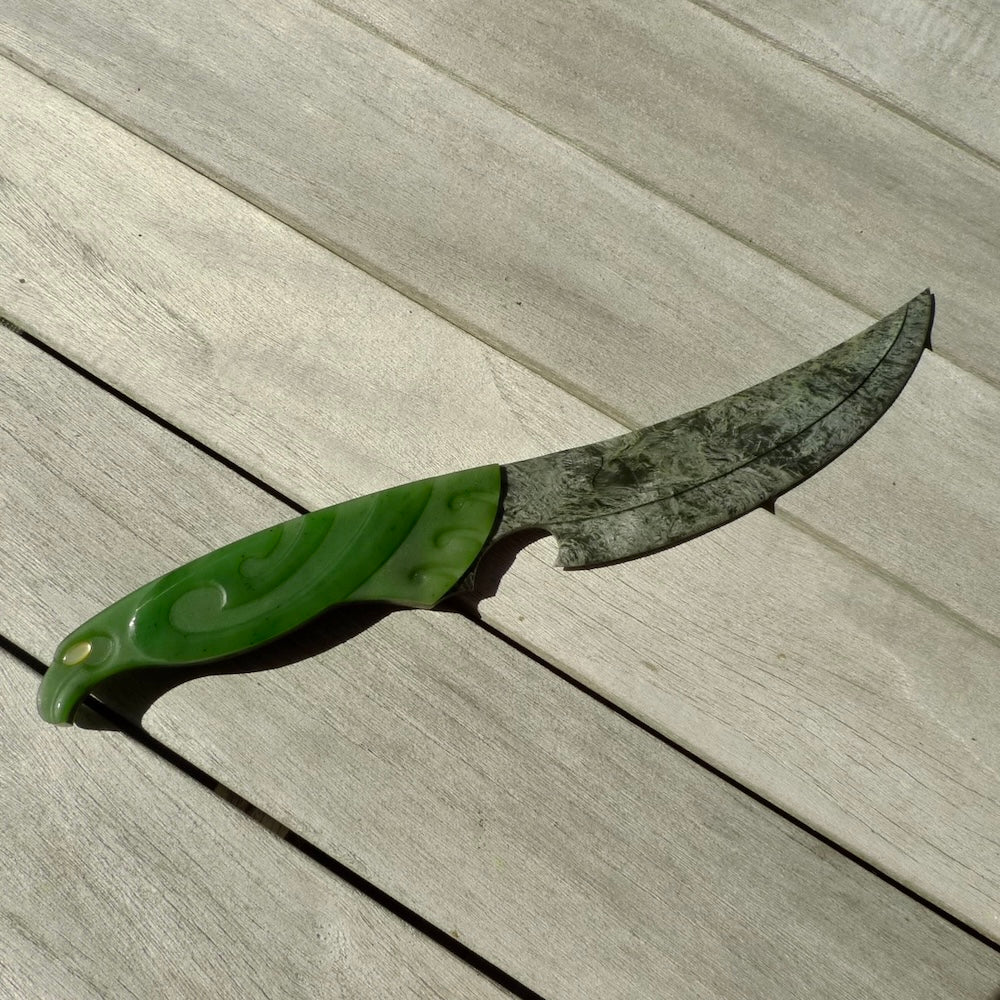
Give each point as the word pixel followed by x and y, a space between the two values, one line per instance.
pixel 663 484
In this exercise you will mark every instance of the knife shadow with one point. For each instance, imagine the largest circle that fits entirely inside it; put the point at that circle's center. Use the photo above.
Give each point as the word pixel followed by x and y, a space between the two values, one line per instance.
pixel 132 693
pixel 484 579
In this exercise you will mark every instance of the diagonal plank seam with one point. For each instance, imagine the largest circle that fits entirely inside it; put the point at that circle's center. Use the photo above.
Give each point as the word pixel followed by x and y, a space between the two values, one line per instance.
pixel 584 149
pixel 932 603
pixel 149 414
pixel 338 868
pixel 411 291
pixel 736 784
pixel 295 841
pixel 597 157
pixel 845 81
pixel 791 520
pixel 714 11
pixel 303 228
pixel 710 9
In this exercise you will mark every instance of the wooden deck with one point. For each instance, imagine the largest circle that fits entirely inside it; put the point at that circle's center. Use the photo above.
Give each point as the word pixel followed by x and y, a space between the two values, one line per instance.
pixel 268 255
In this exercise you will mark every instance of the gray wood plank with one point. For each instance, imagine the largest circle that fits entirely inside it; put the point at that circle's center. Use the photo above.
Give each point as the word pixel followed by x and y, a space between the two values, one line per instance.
pixel 837 187
pixel 522 238
pixel 938 60
pixel 936 452
pixel 125 878
pixel 328 385
pixel 556 838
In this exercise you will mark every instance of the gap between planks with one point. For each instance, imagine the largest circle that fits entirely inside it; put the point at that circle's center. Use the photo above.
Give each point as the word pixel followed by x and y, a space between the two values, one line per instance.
pixel 302 227
pixel 436 934
pixel 794 521
pixel 785 49
pixel 722 15
pixel 636 179
pixel 463 324
pixel 633 177
pixel 931 603
pixel 440 309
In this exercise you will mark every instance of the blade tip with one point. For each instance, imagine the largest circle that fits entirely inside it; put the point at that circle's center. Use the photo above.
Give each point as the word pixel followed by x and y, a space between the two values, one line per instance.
pixel 926 298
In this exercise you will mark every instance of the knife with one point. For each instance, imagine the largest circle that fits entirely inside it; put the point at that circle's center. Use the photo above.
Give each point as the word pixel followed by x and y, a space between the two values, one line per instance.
pixel 415 544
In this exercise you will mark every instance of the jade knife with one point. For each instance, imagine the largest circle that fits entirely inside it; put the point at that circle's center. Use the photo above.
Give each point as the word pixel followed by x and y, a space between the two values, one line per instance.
pixel 415 544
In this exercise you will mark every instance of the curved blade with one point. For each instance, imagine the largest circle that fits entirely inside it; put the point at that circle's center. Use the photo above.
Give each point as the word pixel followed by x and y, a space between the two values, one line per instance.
pixel 663 484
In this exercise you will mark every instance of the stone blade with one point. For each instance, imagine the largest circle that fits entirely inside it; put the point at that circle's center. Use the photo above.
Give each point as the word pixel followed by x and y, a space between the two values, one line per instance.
pixel 663 484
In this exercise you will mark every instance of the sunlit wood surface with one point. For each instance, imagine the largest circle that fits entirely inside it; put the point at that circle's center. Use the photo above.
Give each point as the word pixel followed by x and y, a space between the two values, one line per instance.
pixel 268 256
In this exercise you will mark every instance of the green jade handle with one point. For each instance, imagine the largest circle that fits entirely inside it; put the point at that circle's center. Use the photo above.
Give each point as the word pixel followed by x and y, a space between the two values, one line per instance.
pixel 408 545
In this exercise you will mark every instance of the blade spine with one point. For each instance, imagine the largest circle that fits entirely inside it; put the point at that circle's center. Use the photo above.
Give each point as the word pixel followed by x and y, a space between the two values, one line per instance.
pixel 735 468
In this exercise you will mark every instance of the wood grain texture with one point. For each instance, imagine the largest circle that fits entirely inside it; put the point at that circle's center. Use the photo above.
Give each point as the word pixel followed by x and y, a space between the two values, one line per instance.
pixel 828 691
pixel 330 405
pixel 602 285
pixel 124 878
pixel 938 60
pixel 556 838
pixel 520 237
pixel 835 185
pixel 236 312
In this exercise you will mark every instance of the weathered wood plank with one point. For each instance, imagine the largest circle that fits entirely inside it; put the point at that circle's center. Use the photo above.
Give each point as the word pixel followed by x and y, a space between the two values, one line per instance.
pixel 830 692
pixel 939 60
pixel 227 307
pixel 839 188
pixel 559 840
pixel 519 237
pixel 125 878
pixel 211 353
